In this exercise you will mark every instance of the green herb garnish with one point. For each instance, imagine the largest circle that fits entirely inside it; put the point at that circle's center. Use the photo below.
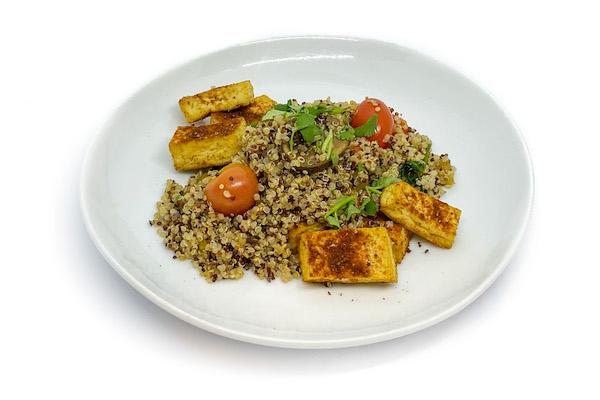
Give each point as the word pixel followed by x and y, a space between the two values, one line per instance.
pixel 338 110
pixel 347 134
pixel 273 112
pixel 317 110
pixel 412 170
pixel 361 168
pixel 427 155
pixel 381 183
pixel 311 133
pixel 332 215
pixel 327 145
pixel 367 129
pixel 282 107
pixel 351 210
pixel 304 120
pixel 335 158
pixel 369 207
pixel 333 220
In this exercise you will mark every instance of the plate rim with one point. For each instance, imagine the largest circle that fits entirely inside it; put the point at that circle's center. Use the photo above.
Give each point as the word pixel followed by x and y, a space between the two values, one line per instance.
pixel 100 133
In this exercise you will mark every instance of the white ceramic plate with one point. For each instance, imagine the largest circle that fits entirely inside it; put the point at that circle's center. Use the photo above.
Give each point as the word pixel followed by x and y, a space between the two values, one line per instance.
pixel 127 166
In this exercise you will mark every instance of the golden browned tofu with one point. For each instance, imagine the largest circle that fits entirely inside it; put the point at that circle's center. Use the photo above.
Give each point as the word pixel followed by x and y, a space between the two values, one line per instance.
pixel 361 255
pixel 194 147
pixel 252 113
pixel 400 237
pixel 222 98
pixel 298 230
pixel 420 213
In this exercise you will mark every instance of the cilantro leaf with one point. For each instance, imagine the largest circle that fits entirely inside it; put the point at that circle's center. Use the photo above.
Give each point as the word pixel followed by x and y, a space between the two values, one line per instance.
pixel 361 168
pixel 333 220
pixel 282 107
pixel 351 210
pixel 310 133
pixel 347 134
pixel 340 204
pixel 368 128
pixel 316 110
pixel 384 182
pixel 304 120
pixel 294 107
pixel 272 113
pixel 338 110
pixel 381 183
pixel 332 215
pixel 369 207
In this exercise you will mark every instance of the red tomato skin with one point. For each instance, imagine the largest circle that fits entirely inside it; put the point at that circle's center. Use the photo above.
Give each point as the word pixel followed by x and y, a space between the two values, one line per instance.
pixel 232 191
pixel 385 119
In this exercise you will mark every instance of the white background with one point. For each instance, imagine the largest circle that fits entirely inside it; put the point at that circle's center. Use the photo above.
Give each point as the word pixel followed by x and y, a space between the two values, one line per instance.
pixel 72 328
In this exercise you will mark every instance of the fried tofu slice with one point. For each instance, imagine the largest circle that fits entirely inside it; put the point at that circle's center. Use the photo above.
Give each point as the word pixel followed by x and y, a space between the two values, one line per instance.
pixel 252 113
pixel 222 98
pixel 420 213
pixel 295 233
pixel 361 255
pixel 194 147
pixel 399 235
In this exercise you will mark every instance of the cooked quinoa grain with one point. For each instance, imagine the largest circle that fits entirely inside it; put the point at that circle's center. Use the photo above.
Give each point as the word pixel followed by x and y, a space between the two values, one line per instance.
pixel 223 247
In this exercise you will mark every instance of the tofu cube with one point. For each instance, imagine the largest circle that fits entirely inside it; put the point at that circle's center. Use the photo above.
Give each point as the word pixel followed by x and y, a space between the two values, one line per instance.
pixel 222 98
pixel 252 113
pixel 361 255
pixel 194 147
pixel 420 213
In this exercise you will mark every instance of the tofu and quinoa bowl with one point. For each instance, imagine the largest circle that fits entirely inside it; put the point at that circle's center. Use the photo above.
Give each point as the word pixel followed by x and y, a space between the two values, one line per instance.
pixel 305 182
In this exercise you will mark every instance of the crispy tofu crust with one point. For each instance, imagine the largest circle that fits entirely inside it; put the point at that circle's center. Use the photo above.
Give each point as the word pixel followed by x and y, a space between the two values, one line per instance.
pixel 194 147
pixel 399 235
pixel 222 98
pixel 361 255
pixel 297 231
pixel 420 213
pixel 252 113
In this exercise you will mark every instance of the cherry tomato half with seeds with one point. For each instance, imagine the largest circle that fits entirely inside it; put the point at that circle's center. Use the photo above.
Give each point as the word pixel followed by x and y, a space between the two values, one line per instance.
pixel 385 120
pixel 232 191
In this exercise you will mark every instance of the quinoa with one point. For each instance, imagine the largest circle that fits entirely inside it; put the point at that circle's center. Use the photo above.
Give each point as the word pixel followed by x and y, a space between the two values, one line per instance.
pixel 223 247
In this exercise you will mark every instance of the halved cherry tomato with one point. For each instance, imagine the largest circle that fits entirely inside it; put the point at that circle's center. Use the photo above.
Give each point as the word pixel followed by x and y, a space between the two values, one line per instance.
pixel 232 191
pixel 385 120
